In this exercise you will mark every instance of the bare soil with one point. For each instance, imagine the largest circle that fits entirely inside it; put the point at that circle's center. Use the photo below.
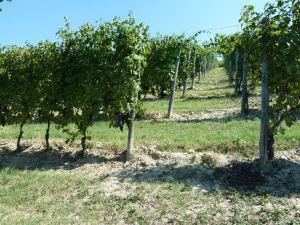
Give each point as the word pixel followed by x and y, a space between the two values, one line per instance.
pixel 212 186
pixel 207 170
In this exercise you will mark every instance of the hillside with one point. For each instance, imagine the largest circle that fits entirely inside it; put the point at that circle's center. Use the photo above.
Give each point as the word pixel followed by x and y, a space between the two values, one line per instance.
pixel 195 168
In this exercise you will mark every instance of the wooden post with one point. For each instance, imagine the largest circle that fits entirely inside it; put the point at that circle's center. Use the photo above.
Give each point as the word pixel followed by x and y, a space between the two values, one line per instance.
pixel 130 138
pixel 194 72
pixel 83 141
pixel 204 68
pixel 187 75
pixel 208 68
pixel 200 73
pixel 237 56
pixel 21 132
pixel 245 107
pixel 230 71
pixel 263 143
pixel 173 87
pixel 47 135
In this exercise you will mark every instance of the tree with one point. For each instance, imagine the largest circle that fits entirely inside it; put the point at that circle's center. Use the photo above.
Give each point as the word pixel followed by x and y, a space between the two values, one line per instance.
pixel 173 87
pixel 101 69
pixel 89 71
pixel 245 104
pixel 20 66
pixel 3 1
pixel 272 42
pixel 160 64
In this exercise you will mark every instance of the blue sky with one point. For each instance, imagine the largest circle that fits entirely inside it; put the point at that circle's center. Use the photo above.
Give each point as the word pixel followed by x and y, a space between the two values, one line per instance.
pixel 36 20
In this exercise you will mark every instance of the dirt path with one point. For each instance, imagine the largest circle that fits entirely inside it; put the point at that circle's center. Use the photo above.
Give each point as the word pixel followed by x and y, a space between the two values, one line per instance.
pixel 150 164
pixel 167 187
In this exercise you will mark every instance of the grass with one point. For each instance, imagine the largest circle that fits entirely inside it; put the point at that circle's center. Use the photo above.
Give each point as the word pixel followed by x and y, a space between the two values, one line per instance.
pixel 235 135
pixel 210 94
pixel 231 134
pixel 183 106
pixel 95 194
pixel 50 198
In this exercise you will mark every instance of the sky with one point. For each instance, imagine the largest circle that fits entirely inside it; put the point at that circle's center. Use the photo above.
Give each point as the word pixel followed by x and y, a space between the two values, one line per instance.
pixel 32 21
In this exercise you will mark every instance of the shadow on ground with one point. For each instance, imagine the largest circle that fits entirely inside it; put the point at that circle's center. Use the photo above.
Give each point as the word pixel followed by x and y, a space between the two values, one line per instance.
pixel 235 176
pixel 209 97
pixel 243 177
pixel 215 88
pixel 252 114
pixel 53 159
pixel 206 116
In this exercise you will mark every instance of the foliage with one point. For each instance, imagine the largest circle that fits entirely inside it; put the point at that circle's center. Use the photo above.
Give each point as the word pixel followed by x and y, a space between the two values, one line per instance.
pixel 161 64
pixel 164 51
pixel 91 70
pixel 277 31
pixel 3 1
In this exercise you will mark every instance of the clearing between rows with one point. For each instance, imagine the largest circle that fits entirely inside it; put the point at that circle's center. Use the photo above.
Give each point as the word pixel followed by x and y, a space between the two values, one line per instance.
pixel 196 168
